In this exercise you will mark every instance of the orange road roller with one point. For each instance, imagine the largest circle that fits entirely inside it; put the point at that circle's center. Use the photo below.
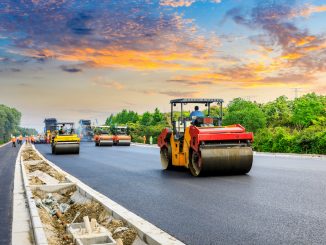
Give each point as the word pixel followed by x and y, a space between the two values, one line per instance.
pixel 202 145
pixel 103 136
pixel 121 136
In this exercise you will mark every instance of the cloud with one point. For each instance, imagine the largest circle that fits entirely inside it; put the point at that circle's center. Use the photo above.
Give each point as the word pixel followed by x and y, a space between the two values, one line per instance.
pixel 128 34
pixel 298 54
pixel 70 69
pixel 307 10
pixel 183 3
pixel 15 70
pixel 173 93
pixel 102 82
pixel 25 85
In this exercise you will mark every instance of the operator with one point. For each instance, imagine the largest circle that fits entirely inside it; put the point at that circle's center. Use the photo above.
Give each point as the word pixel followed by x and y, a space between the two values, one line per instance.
pixel 196 113
pixel 62 129
pixel 13 140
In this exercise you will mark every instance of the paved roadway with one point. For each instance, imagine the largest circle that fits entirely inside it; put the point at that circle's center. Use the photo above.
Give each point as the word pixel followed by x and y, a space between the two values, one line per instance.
pixel 8 157
pixel 281 201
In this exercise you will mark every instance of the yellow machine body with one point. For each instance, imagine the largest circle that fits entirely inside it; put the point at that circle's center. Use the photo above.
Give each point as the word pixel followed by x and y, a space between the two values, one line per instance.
pixel 181 158
pixel 65 144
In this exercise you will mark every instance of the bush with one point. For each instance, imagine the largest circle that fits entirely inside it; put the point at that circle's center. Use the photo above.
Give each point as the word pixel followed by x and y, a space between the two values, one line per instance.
pixel 246 113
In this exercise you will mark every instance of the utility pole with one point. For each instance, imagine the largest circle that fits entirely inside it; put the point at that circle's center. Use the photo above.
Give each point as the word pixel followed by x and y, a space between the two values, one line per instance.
pixel 249 98
pixel 296 92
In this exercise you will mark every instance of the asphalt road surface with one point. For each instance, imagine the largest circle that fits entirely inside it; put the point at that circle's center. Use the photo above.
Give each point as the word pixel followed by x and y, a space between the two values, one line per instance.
pixel 281 201
pixel 8 157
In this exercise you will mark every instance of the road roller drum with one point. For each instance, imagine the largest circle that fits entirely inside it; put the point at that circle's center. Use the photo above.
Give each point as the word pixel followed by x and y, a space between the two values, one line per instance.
pixel 62 148
pixel 219 161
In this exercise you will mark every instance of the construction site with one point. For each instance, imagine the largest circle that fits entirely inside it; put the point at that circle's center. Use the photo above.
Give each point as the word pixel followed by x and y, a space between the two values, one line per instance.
pixel 167 122
pixel 197 166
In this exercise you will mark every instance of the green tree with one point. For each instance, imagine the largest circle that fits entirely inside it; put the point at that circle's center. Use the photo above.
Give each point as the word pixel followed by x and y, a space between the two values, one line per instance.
pixel 278 112
pixel 9 122
pixel 246 113
pixel 157 117
pixel 308 108
pixel 146 119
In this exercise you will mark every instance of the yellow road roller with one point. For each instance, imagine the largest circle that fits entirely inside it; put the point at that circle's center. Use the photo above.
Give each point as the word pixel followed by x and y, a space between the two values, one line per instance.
pixel 64 139
pixel 203 145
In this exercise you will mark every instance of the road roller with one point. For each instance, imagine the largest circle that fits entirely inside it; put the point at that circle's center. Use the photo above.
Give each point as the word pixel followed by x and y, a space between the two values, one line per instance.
pixel 103 136
pixel 203 145
pixel 121 136
pixel 64 139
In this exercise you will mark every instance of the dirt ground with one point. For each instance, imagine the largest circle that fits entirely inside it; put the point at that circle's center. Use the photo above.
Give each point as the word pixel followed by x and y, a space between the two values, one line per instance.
pixel 29 154
pixel 44 167
pixel 55 225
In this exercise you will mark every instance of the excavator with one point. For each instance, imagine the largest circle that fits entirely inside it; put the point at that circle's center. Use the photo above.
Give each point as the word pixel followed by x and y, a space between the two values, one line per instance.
pixel 121 136
pixel 64 139
pixel 203 145
pixel 103 136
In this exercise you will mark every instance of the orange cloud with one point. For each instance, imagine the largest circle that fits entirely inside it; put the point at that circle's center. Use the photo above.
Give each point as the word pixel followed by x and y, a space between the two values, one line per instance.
pixel 133 59
pixel 308 10
pixel 292 56
pixel 182 3
pixel 102 82
pixel 302 40
pixel 177 3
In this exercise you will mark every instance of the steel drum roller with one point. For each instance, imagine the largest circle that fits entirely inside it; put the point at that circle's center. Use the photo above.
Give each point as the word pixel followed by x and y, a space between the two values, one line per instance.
pixel 71 148
pixel 218 160
pixel 106 143
pixel 124 143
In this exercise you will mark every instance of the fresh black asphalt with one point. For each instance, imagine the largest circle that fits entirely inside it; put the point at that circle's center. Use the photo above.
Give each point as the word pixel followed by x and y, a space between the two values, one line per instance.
pixel 8 157
pixel 281 201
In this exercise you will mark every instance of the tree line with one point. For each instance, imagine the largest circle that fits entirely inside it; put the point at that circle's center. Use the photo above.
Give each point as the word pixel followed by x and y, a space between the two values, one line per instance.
pixel 9 124
pixel 282 125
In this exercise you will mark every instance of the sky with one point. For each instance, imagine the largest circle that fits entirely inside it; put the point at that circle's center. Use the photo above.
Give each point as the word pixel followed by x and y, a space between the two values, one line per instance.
pixel 86 59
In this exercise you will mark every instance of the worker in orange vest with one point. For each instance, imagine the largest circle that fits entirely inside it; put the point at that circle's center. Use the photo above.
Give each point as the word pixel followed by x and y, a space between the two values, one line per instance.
pixel 144 139
pixel 20 139
pixel 26 139
pixel 32 139
pixel 13 140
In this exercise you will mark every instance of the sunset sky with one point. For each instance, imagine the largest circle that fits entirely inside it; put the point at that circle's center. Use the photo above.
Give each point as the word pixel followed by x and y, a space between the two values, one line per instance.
pixel 74 59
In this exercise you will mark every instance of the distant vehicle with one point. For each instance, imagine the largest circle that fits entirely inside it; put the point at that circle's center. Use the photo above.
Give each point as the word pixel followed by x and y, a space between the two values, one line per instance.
pixel 121 136
pixel 85 130
pixel 50 126
pixel 64 139
pixel 40 139
pixel 103 136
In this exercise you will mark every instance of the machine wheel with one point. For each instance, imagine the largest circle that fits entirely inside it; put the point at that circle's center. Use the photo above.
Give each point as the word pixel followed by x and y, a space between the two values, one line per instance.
pixel 195 165
pixel 96 143
pixel 53 149
pixel 166 157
